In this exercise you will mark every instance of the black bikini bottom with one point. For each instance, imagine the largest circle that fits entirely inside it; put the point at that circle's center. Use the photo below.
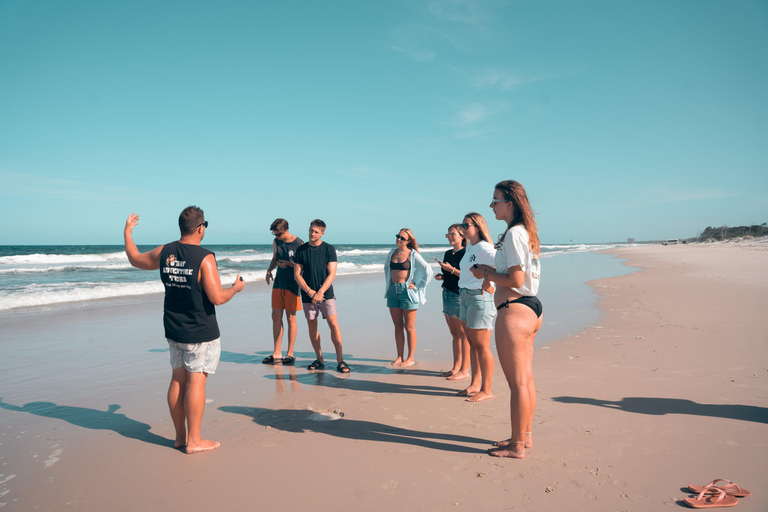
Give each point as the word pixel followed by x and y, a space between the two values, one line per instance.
pixel 531 302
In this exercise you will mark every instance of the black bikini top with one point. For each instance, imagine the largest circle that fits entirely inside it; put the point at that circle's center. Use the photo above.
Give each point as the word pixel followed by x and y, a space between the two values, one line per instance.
pixel 405 265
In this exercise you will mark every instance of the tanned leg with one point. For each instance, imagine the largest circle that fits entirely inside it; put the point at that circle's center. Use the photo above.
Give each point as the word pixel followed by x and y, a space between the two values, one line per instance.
pixel 409 320
pixel 485 360
pixel 463 344
pixel 195 406
pixel 277 332
pixel 333 325
pixel 291 316
pixel 477 377
pixel 314 338
pixel 177 391
pixel 399 322
pixel 515 331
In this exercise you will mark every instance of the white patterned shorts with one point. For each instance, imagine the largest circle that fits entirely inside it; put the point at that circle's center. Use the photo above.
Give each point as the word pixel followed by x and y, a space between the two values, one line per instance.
pixel 195 357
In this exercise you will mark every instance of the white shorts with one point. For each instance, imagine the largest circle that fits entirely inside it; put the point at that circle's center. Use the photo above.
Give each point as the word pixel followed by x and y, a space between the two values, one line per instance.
pixel 195 357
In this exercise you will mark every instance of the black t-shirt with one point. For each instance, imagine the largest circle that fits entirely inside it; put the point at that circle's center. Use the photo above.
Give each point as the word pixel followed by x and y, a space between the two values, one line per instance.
pixel 314 267
pixel 451 281
pixel 286 251
pixel 189 316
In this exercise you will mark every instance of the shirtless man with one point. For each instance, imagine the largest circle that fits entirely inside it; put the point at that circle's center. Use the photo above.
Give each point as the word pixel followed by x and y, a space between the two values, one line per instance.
pixel 192 289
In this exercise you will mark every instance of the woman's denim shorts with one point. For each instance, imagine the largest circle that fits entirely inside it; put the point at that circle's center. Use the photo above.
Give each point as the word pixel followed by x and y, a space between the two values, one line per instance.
pixel 398 297
pixel 477 309
pixel 451 303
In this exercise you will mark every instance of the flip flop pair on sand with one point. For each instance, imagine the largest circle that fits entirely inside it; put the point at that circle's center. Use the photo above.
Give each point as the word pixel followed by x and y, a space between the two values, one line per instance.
pixel 715 496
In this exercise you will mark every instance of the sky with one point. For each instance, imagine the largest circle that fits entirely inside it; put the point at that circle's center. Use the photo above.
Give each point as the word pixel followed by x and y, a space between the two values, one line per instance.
pixel 645 119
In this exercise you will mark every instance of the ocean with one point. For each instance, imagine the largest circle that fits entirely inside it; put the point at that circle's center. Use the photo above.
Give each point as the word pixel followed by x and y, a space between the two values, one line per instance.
pixel 49 275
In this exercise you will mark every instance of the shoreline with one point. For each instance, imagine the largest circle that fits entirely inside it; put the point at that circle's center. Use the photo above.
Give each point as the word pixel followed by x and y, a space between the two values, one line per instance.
pixel 630 410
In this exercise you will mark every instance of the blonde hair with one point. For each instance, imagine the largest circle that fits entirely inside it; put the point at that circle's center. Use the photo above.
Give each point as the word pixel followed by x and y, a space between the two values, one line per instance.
pixel 412 243
pixel 481 225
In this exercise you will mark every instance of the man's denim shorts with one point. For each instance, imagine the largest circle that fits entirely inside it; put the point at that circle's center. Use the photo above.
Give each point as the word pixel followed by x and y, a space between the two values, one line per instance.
pixel 477 309
pixel 397 297
pixel 451 303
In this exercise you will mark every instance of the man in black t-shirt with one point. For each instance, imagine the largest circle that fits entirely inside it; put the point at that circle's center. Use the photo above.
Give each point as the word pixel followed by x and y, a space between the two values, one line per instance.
pixel 314 270
pixel 192 289
pixel 285 291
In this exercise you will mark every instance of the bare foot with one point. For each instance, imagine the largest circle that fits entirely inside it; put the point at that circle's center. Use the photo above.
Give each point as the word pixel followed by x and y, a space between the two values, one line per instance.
pixel 466 392
pixel 458 376
pixel 204 446
pixel 528 443
pixel 408 362
pixel 179 444
pixel 448 373
pixel 508 451
pixel 479 397
pixel 397 362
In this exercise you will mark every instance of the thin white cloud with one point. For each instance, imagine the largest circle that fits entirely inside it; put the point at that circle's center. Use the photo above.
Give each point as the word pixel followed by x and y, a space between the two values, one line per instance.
pixel 415 54
pixel 33 185
pixel 494 78
pixel 471 121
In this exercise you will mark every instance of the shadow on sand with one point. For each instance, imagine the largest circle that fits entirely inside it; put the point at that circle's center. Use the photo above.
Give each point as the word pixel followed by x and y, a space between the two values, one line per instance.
pixel 92 419
pixel 662 406
pixel 299 421
pixel 328 379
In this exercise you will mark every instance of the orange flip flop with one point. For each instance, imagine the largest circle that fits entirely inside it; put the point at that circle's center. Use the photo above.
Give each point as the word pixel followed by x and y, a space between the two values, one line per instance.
pixel 731 489
pixel 711 497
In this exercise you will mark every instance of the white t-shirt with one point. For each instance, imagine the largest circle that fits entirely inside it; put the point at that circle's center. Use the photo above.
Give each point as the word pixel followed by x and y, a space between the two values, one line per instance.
pixel 482 254
pixel 514 251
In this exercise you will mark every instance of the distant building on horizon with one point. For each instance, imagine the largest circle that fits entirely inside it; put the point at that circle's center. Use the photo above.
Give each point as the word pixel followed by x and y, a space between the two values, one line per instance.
pixel 630 240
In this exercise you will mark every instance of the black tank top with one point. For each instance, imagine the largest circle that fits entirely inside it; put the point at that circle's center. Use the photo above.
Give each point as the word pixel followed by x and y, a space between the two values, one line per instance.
pixel 189 317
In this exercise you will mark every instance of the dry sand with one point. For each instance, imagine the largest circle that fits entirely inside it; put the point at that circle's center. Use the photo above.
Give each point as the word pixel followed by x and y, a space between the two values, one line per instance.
pixel 669 389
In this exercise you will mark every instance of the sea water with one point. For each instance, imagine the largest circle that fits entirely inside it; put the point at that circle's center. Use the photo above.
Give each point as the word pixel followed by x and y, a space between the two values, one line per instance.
pixel 49 275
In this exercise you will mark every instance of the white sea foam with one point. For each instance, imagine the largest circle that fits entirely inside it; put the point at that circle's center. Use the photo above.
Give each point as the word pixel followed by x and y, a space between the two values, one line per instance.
pixel 65 267
pixel 238 258
pixel 52 259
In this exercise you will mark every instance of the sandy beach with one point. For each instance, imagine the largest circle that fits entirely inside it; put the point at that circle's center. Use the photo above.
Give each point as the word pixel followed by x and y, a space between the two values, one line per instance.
pixel 668 388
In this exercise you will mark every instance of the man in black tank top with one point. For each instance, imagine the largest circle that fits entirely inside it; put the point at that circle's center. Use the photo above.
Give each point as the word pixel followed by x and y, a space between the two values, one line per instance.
pixel 192 290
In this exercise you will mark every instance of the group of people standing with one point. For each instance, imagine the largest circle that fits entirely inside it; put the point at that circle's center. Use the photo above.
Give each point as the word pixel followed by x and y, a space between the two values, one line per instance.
pixel 480 281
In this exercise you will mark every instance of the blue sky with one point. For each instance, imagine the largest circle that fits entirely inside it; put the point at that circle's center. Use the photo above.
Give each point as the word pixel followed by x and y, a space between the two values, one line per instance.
pixel 644 119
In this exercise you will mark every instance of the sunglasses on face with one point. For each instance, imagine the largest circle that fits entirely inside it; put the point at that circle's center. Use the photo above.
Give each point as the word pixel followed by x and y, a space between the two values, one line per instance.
pixel 204 224
pixel 494 201
pixel 466 225
pixel 398 237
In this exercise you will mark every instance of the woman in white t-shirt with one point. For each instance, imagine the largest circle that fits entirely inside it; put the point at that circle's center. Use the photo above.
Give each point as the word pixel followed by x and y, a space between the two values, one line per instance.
pixel 516 274
pixel 476 310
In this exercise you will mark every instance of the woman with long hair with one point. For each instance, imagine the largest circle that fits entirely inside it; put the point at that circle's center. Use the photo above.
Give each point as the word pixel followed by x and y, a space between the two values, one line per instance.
pixel 451 266
pixel 516 273
pixel 476 312
pixel 407 275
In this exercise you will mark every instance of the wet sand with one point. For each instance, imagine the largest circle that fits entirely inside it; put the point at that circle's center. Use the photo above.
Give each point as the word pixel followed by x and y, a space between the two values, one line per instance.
pixel 669 388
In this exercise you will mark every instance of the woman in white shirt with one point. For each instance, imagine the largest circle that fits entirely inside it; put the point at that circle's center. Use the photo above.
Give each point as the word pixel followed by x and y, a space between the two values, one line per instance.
pixel 516 277
pixel 477 308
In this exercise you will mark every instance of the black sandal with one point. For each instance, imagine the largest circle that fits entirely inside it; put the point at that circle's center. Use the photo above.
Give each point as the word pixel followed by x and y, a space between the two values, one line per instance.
pixel 289 360
pixel 271 360
pixel 317 365
pixel 343 367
